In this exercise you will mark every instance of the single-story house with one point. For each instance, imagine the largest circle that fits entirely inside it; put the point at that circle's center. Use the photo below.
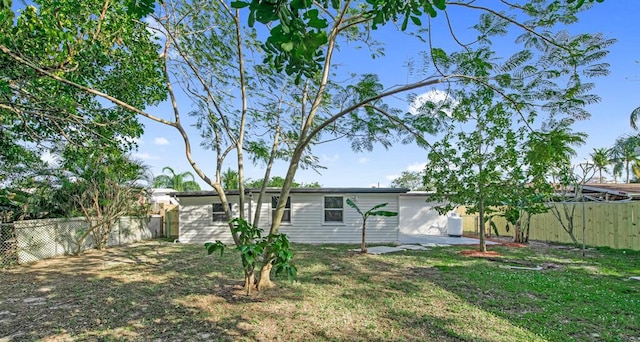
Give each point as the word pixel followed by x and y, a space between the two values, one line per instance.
pixel 314 215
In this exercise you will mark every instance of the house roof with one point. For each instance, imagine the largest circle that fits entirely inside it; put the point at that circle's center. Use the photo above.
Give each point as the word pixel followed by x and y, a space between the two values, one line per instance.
pixel 298 191
pixel 612 191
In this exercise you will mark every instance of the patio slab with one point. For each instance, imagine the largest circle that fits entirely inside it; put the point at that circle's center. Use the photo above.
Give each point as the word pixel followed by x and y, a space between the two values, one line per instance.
pixel 422 242
pixel 390 249
pixel 440 241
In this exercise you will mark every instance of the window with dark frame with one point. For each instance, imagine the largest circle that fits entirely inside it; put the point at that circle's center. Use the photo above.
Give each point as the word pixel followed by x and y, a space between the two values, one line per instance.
pixel 218 212
pixel 333 209
pixel 286 216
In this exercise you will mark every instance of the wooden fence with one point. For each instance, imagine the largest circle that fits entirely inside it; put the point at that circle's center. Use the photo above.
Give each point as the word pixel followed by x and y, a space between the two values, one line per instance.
pixel 610 224
pixel 171 221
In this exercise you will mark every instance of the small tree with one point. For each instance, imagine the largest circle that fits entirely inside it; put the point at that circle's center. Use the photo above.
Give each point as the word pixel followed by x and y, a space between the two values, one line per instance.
pixel 365 215
pixel 102 185
pixel 253 247
pixel 601 158
pixel 570 181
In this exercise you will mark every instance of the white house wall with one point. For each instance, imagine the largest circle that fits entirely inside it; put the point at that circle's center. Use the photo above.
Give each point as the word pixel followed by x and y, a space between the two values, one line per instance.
pixel 418 218
pixel 308 226
pixel 307 219
pixel 196 220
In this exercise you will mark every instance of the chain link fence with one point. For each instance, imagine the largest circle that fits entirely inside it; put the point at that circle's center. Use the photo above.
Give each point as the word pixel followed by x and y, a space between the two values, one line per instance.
pixel 8 245
pixel 27 241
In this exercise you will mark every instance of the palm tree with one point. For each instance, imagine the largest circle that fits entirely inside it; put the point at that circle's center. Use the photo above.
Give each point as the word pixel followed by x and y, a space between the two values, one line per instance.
pixel 624 155
pixel 601 159
pixel 230 179
pixel 184 181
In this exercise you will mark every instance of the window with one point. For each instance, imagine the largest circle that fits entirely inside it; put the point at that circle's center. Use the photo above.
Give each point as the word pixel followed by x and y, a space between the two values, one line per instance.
pixel 333 209
pixel 218 212
pixel 286 217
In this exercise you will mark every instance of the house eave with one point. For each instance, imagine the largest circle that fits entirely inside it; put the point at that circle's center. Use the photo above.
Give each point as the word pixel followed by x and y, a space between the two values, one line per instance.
pixel 296 191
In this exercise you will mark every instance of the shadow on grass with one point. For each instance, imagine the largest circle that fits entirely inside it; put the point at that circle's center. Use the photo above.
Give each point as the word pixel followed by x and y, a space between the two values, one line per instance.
pixel 140 293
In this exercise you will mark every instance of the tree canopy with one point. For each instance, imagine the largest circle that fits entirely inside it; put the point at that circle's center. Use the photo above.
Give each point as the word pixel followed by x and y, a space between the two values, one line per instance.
pixel 275 98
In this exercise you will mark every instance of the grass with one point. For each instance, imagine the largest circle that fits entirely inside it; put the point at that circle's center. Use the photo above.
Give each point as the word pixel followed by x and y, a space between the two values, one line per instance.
pixel 172 292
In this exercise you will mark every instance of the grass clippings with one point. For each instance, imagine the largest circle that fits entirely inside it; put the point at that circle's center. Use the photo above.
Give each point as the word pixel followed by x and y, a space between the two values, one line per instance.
pixel 160 291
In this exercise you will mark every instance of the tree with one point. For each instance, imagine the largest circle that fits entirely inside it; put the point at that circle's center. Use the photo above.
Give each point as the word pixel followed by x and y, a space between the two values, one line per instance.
pixel 280 104
pixel 624 155
pixel 413 180
pixel 101 184
pixel 569 182
pixel 278 182
pixel 184 181
pixel 601 160
pixel 365 215
pixel 230 179
pixel 105 51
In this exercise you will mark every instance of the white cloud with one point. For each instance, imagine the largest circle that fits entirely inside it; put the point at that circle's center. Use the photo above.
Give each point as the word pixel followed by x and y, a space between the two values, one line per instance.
pixel 161 141
pixel 145 156
pixel 438 97
pixel 363 160
pixel 417 167
pixel 330 159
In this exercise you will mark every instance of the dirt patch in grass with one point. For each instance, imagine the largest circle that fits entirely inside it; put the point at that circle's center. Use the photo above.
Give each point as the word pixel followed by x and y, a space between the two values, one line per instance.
pixel 478 254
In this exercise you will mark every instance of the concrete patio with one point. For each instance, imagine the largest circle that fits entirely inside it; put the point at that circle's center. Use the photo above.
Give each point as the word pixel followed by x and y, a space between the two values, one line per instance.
pixel 423 242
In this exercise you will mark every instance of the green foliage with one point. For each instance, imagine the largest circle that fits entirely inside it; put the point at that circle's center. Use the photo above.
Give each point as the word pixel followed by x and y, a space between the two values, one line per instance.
pixel 110 51
pixel 297 34
pixel 213 247
pixel 624 156
pixel 230 179
pixel 373 211
pixel 413 180
pixel 601 158
pixel 254 248
pixel 278 182
pixel 184 181
pixel 365 215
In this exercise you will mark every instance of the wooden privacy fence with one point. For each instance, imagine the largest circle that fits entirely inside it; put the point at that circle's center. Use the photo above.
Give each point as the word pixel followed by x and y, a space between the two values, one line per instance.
pixel 171 221
pixel 609 224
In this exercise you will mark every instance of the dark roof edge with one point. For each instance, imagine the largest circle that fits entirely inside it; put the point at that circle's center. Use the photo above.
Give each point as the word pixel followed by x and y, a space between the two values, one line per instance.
pixel 297 191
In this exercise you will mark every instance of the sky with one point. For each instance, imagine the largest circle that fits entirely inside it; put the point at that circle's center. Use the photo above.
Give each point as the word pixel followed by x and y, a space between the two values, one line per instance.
pixel 162 146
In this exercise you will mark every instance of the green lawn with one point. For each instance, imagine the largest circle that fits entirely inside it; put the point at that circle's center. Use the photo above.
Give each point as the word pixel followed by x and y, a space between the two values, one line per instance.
pixel 172 292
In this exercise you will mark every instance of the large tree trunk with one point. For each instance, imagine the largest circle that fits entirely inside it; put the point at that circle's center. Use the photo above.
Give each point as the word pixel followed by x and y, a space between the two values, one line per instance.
pixel 264 281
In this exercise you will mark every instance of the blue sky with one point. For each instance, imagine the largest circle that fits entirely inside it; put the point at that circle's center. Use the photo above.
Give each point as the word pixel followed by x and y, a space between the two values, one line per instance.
pixel 162 146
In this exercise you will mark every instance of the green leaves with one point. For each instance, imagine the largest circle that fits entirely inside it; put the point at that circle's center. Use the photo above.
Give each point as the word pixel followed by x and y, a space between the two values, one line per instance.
pixel 255 248
pixel 239 4
pixel 141 8
pixel 371 212
pixel 580 3
pixel 299 32
pixel 213 247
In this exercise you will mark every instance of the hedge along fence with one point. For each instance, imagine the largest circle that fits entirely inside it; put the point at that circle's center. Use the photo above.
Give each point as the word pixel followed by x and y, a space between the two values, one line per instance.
pixel 609 224
pixel 32 240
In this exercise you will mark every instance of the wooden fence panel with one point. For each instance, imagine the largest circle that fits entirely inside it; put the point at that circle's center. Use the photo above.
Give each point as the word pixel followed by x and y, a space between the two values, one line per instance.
pixel 610 224
pixel 172 223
